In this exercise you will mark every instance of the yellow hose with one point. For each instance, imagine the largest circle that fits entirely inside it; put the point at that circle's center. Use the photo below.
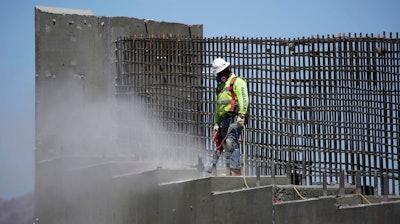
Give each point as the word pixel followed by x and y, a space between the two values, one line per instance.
pixel 298 193
pixel 363 197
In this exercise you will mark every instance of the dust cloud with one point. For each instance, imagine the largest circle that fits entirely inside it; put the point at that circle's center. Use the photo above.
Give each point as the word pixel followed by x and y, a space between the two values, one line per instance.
pixel 74 123
pixel 94 151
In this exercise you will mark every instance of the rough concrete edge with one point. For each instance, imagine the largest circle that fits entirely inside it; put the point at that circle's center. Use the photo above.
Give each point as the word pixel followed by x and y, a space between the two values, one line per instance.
pixel 149 21
pixel 306 200
pixel 367 205
pixel 240 190
pixel 55 10
pixel 176 181
pixel 140 172
pixel 114 162
pixel 182 181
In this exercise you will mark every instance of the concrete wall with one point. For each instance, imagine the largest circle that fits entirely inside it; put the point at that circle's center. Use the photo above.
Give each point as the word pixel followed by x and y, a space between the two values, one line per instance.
pixel 111 193
pixel 385 213
pixel 75 98
pixel 310 211
pixel 96 194
pixel 75 69
pixel 195 202
pixel 326 210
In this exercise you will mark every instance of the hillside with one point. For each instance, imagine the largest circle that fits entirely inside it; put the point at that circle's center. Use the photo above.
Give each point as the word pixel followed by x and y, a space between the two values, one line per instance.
pixel 19 210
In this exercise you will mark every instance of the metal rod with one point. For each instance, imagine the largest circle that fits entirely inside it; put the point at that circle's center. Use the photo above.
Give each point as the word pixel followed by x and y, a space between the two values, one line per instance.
pixel 324 185
pixel 273 172
pixel 358 182
pixel 258 171
pixel 342 181
pixel 385 186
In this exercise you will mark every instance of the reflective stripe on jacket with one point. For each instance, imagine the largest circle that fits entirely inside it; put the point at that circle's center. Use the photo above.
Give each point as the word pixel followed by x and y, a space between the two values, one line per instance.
pixel 225 98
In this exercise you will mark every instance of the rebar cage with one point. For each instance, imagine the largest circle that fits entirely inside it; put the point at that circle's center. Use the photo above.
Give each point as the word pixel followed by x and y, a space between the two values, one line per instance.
pixel 318 105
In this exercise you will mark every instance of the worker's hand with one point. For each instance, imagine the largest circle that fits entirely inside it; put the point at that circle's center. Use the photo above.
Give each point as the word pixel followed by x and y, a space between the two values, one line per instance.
pixel 240 120
pixel 216 127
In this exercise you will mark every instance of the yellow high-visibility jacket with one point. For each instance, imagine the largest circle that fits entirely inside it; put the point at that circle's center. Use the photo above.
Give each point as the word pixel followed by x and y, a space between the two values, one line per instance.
pixel 230 94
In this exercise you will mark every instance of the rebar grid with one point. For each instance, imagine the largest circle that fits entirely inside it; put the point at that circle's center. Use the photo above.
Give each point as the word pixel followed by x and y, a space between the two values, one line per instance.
pixel 317 105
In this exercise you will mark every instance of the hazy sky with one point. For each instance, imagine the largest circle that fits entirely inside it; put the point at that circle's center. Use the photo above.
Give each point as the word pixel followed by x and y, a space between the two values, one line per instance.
pixel 248 18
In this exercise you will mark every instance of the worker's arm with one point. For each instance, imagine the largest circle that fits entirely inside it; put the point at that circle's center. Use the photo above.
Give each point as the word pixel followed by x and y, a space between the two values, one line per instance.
pixel 242 95
pixel 217 118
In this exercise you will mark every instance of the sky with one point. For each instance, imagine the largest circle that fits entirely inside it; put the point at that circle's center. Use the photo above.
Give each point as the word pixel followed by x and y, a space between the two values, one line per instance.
pixel 240 18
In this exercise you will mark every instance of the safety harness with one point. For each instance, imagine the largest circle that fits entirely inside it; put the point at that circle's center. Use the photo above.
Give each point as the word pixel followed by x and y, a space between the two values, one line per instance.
pixel 230 88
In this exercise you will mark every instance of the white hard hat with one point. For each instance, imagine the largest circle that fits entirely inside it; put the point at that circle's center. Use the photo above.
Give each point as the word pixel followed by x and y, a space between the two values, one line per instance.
pixel 219 65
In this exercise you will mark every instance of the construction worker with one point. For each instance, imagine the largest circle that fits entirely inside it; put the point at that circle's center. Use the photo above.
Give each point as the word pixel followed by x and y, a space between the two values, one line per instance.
pixel 230 113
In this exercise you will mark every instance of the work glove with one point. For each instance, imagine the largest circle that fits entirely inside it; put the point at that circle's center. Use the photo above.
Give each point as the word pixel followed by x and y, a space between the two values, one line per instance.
pixel 240 120
pixel 216 127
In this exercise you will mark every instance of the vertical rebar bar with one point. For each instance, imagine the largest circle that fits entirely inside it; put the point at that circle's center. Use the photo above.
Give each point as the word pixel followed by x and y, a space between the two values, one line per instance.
pixel 358 182
pixel 385 187
pixel 376 184
pixel 258 173
pixel 342 181
pixel 288 174
pixel 273 172
pixel 324 184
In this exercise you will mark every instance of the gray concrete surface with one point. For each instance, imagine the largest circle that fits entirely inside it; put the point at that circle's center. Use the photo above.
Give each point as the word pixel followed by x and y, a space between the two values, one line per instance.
pixel 112 193
pixel 78 181
pixel 326 210
pixel 76 71
pixel 75 89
